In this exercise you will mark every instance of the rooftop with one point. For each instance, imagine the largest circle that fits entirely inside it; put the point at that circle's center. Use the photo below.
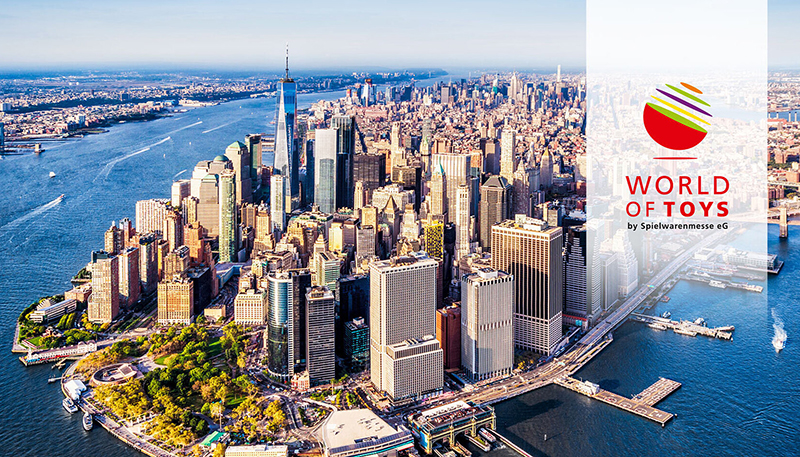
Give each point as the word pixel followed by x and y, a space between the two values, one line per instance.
pixel 353 426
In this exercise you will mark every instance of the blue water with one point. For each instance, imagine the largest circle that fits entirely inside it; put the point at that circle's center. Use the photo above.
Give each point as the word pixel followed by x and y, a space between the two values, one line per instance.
pixel 739 397
pixel 43 243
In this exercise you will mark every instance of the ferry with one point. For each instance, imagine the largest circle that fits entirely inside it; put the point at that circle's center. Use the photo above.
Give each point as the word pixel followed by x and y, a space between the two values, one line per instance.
pixel 69 405
pixel 486 435
pixel 88 421
pixel 717 284
pixel 681 331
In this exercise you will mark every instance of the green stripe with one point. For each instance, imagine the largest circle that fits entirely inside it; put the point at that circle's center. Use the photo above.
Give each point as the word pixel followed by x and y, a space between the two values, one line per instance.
pixel 687 94
pixel 676 117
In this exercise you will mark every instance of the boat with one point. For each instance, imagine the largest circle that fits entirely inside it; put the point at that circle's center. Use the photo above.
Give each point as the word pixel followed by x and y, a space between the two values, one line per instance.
pixel 657 326
pixel 699 321
pixel 717 284
pixel 88 421
pixel 486 435
pixel 666 315
pixel 52 174
pixel 60 197
pixel 681 331
pixel 727 328
pixel 665 299
pixel 69 405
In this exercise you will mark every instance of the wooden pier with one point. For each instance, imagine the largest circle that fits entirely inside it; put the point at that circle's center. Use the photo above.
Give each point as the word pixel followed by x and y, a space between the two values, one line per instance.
pixel 641 404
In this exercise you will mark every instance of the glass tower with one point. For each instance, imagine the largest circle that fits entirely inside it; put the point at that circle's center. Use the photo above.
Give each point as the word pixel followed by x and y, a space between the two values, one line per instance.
pixel 287 161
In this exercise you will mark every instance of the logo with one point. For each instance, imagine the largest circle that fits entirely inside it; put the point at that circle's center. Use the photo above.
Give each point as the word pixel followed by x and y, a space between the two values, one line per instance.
pixel 675 119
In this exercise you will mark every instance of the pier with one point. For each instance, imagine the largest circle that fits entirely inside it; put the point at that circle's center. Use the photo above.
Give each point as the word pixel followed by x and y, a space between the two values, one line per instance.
pixel 641 404
pixel 687 328
pixel 509 443
pixel 722 283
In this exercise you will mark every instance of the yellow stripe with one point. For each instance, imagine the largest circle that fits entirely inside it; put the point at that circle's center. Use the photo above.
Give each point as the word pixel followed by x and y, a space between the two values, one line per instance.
pixel 680 110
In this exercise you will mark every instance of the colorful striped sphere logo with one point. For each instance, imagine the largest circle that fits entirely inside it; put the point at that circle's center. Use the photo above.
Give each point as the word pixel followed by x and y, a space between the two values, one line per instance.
pixel 675 118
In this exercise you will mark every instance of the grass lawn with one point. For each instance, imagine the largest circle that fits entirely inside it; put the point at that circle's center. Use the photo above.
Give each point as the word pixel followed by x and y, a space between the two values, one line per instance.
pixel 164 359
pixel 36 341
pixel 232 401
pixel 215 348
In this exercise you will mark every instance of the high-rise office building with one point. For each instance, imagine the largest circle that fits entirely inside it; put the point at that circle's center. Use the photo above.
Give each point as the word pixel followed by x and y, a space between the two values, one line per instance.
pixel 250 307
pixel 104 301
pixel 438 194
pixel 370 169
pixel 461 217
pixel 320 352
pixel 487 329
pixel 531 251
pixel 434 239
pixel 494 207
pixel 328 268
pixel 276 202
pixel 129 286
pixel 356 343
pixel 180 190
pixel 508 145
pixel 205 188
pixel 175 301
pixel 173 229
pixel 359 196
pixel 448 332
pixel 546 170
pixel 402 307
pixel 455 168
pixel 148 263
pixel 228 247
pixel 325 170
pixel 286 157
pixel 521 195
pixel 239 155
pixel 298 334
pixel 582 297
pixel 279 324
pixel 345 150
pixel 253 144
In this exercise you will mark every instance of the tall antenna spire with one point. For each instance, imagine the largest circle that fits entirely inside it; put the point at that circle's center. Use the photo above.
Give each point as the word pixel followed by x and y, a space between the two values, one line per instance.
pixel 287 60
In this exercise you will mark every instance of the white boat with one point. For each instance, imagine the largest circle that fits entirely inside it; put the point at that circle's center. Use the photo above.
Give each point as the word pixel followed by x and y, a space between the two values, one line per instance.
pixel 717 284
pixel 52 174
pixel 88 421
pixel 681 331
pixel 657 326
pixel 727 328
pixel 69 405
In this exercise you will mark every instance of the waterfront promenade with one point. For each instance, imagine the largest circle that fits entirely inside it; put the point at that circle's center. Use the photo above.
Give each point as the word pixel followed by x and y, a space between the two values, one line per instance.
pixel 117 430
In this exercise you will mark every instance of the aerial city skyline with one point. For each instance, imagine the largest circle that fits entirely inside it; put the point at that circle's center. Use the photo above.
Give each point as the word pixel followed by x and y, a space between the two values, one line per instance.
pixel 410 240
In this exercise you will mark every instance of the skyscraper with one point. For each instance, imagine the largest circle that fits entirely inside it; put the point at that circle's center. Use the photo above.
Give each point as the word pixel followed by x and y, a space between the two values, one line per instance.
pixel 546 170
pixel 370 169
pixel 279 322
pixel 175 301
pixel 253 144
pixel 228 247
pixel 325 170
pixel 455 168
pixel 129 286
pixel 320 352
pixel 276 202
pixel 531 251
pixel 104 301
pixel 113 240
pixel 582 297
pixel 405 358
pixel 286 157
pixel 438 194
pixel 448 332
pixel 150 215
pixel 173 229
pixel 148 263
pixel 507 153
pixel 239 155
pixel 487 330
pixel 345 150
pixel 494 207
pixel 462 221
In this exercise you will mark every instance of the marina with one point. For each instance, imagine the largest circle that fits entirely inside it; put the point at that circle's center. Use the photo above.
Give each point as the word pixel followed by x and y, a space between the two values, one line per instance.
pixel 641 404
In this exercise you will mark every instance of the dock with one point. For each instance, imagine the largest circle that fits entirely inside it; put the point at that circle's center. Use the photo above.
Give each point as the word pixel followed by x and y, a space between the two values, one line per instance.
pixel 720 283
pixel 641 404
pixel 509 443
pixel 683 327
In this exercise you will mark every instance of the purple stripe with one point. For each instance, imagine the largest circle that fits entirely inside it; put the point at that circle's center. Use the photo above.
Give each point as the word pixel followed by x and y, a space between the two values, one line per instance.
pixel 680 100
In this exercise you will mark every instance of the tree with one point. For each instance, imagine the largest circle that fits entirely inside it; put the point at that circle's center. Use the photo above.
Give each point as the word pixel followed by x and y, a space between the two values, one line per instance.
pixel 216 411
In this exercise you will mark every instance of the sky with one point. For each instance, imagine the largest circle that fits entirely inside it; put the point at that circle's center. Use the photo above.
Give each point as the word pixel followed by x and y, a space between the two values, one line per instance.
pixel 246 34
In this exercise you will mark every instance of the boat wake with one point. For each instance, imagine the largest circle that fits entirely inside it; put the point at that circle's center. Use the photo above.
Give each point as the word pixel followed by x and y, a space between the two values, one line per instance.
pixel 219 127
pixel 185 127
pixel 179 173
pixel 110 165
pixel 779 339
pixel 29 215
